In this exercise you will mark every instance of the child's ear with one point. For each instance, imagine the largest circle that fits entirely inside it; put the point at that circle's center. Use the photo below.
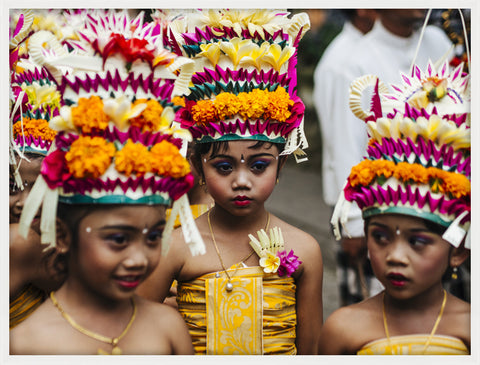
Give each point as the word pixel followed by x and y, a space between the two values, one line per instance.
pixel 196 167
pixel 458 255
pixel 64 237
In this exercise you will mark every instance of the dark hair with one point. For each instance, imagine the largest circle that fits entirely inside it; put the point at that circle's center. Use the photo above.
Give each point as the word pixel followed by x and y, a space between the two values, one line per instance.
pixel 200 149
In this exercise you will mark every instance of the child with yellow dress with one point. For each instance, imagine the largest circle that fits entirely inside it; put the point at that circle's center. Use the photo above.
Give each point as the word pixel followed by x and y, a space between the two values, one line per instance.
pixel 115 166
pixel 414 190
pixel 258 288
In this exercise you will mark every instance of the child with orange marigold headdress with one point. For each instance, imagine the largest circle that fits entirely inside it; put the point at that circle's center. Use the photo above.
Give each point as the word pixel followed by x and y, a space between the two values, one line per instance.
pixel 258 288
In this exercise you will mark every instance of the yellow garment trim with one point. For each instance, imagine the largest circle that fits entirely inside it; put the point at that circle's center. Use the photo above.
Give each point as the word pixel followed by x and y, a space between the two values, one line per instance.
pixel 414 345
pixel 274 328
pixel 197 211
pixel 25 304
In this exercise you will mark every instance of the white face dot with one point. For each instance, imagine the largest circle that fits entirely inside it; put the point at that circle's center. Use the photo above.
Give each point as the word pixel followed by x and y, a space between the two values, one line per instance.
pixel 88 229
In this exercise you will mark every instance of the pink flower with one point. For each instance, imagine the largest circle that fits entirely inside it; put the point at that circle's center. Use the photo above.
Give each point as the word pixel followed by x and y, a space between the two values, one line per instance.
pixel 288 263
pixel 54 169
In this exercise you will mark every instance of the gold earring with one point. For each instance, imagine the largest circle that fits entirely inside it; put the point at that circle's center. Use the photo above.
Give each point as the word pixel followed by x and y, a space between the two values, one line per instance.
pixel 276 182
pixel 454 273
pixel 201 182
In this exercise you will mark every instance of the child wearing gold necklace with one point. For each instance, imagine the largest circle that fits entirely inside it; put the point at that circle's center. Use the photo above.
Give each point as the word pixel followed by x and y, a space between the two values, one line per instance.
pixel 414 191
pixel 258 288
pixel 115 166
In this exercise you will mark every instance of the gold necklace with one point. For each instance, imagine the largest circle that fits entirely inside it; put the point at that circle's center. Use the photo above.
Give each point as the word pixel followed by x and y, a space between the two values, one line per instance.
pixel 434 326
pixel 229 286
pixel 112 341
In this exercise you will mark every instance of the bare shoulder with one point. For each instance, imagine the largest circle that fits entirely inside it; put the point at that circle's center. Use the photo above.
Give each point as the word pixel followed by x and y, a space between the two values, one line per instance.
pixel 158 313
pixel 294 237
pixel 456 319
pixel 348 328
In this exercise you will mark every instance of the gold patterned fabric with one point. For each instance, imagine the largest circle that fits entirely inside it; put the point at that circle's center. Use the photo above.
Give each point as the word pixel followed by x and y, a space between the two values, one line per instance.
pixel 257 317
pixel 25 304
pixel 197 211
pixel 415 345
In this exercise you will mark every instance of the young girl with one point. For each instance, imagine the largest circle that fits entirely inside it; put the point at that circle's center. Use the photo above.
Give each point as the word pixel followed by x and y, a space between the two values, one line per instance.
pixel 414 190
pixel 258 288
pixel 114 170
pixel 34 100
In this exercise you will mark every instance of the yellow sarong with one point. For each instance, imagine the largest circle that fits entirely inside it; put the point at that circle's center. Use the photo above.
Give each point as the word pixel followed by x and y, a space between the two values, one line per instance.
pixel 257 317
pixel 414 345
pixel 25 304
pixel 197 211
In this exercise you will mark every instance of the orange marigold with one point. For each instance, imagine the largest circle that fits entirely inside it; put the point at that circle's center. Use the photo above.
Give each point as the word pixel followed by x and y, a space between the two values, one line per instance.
pixel 456 184
pixel 178 100
pixel 36 128
pixel 253 104
pixel 278 106
pixel 150 118
pixel 362 174
pixel 89 157
pixel 383 167
pixel 133 158
pixel 89 114
pixel 167 160
pixel 411 173
pixel 227 105
pixel 204 112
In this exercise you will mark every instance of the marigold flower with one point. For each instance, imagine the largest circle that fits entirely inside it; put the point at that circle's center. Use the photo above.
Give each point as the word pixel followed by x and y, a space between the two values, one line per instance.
pixel 179 101
pixel 166 160
pixel 456 184
pixel 278 106
pixel 150 119
pixel 35 128
pixel 89 114
pixel 227 105
pixel 362 174
pixel 204 112
pixel 89 157
pixel 253 104
pixel 133 158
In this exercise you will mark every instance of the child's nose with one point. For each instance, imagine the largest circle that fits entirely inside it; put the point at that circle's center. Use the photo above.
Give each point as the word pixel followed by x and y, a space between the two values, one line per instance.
pixel 398 253
pixel 241 180
pixel 136 259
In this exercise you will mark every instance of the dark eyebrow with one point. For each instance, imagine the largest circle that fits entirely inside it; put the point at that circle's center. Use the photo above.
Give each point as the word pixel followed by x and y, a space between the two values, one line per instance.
pixel 250 157
pixel 129 228
pixel 413 230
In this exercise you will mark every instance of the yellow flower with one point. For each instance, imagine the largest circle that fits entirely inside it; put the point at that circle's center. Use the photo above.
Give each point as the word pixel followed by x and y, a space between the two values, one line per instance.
pixel 179 101
pixel 255 56
pixel 411 173
pixel 237 48
pixel 211 51
pixel 270 262
pixel 227 105
pixel 456 184
pixel 133 158
pixel 167 161
pixel 89 157
pixel 276 56
pixel 120 110
pixel 383 167
pixel 150 118
pixel 36 128
pixel 204 112
pixel 42 95
pixel 278 106
pixel 253 104
pixel 89 114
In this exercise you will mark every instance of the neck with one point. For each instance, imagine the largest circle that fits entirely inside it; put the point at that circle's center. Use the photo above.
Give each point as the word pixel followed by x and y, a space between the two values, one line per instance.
pixel 419 303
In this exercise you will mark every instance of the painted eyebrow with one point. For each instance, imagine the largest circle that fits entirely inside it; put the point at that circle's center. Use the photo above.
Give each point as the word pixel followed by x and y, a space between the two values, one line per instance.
pixel 264 154
pixel 413 230
pixel 129 228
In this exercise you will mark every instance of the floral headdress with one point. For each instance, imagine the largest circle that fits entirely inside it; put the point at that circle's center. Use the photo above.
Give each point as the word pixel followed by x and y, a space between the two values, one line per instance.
pixel 115 141
pixel 34 98
pixel 418 157
pixel 244 86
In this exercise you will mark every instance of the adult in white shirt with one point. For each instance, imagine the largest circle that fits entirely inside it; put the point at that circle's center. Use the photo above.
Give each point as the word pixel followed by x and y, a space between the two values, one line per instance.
pixel 388 49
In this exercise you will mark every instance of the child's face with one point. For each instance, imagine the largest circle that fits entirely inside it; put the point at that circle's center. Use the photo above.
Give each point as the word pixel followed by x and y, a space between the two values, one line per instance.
pixel 117 248
pixel 241 179
pixel 29 172
pixel 406 256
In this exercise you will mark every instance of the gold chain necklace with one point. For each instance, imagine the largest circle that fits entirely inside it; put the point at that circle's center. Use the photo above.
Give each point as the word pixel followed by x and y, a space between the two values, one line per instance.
pixel 112 341
pixel 229 286
pixel 431 333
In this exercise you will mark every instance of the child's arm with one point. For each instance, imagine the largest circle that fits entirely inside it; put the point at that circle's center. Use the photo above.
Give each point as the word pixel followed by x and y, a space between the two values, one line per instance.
pixel 337 331
pixel 157 285
pixel 309 298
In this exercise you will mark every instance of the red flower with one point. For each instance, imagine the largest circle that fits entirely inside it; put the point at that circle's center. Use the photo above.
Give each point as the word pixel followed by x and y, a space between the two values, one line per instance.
pixel 54 169
pixel 133 48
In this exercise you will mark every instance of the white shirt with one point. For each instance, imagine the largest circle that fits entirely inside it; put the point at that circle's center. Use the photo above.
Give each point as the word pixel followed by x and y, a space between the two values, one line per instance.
pixel 344 136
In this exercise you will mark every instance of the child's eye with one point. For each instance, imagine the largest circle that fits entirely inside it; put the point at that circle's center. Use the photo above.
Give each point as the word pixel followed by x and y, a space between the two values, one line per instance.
pixel 155 237
pixel 379 236
pixel 260 165
pixel 418 241
pixel 223 167
pixel 117 238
